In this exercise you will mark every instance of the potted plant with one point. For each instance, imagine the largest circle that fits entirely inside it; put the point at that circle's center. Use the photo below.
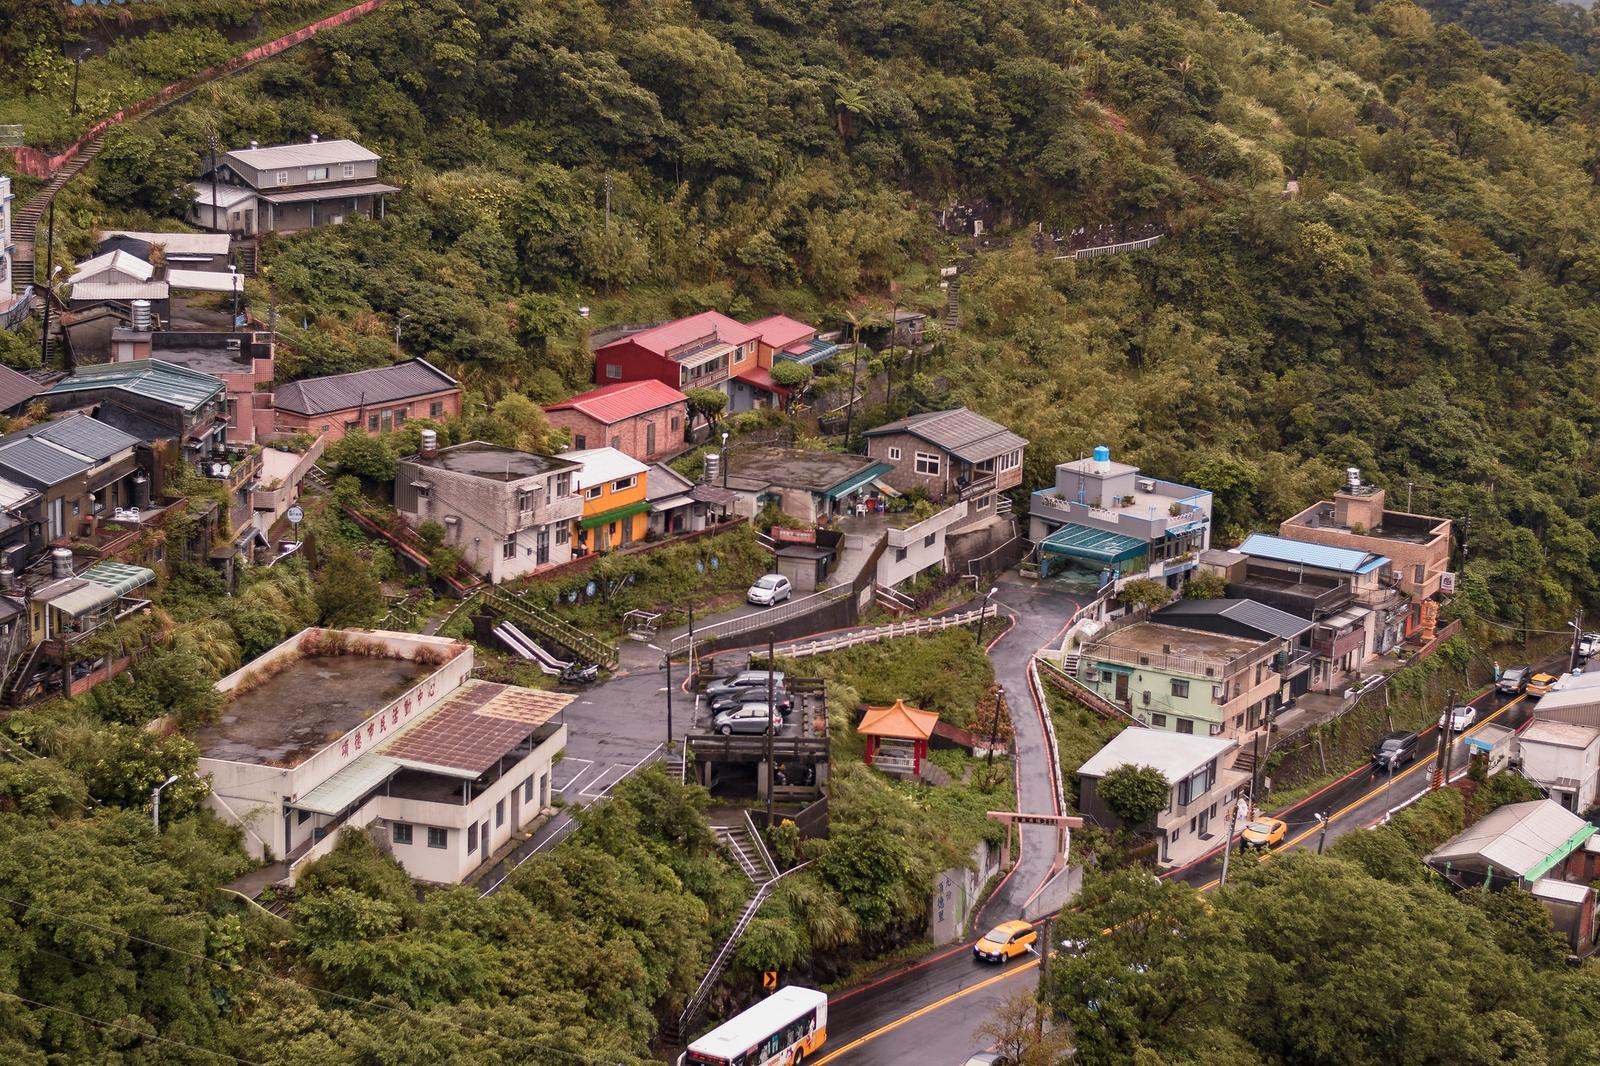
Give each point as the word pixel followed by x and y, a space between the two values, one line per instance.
pixel 1127 501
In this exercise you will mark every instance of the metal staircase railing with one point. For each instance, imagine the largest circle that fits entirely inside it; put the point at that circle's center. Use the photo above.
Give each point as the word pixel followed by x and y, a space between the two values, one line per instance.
pixel 552 627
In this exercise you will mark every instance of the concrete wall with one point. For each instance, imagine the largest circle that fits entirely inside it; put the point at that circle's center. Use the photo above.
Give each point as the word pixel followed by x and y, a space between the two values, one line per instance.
pixel 956 893
pixel 487 515
pixel 1546 763
pixel 917 548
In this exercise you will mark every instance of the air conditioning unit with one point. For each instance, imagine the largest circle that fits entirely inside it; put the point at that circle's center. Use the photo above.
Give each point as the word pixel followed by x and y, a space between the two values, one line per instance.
pixel 1214 729
pixel 234 344
pixel 1146 484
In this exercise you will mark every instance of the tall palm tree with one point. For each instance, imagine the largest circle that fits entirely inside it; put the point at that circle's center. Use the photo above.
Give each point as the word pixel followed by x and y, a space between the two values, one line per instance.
pixel 849 104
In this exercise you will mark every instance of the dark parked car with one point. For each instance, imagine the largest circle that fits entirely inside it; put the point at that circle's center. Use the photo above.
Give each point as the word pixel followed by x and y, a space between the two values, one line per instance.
pixel 750 718
pixel 781 700
pixel 1394 751
pixel 1513 681
pixel 741 682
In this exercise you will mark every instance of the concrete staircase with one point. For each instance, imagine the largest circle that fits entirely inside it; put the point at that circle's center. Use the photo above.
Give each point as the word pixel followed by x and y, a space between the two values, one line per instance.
pixel 316 483
pixel 952 308
pixel 25 223
pixel 748 852
pixel 1069 663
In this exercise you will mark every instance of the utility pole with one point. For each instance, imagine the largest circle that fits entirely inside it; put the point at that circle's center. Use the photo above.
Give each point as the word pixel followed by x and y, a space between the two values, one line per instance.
pixel 692 666
pixel 1047 939
pixel 1409 486
pixel 1255 775
pixel 666 662
pixel 1227 845
pixel 1577 636
pixel 1446 743
pixel 994 730
pixel 77 65
pixel 1322 834
pixel 855 369
pixel 771 710
pixel 211 143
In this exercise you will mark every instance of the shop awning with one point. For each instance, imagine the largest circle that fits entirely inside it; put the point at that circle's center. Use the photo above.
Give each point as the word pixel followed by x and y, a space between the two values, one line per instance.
pixel 670 503
pixel 337 793
pixel 1187 527
pixel 1086 542
pixel 850 484
pixel 616 514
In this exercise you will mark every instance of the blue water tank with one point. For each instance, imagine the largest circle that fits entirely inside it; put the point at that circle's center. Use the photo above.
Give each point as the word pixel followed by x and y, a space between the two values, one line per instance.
pixel 1102 454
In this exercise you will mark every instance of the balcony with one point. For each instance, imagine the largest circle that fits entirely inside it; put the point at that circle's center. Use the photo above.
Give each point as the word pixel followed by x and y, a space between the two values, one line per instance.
pixel 979 486
pixel 234 469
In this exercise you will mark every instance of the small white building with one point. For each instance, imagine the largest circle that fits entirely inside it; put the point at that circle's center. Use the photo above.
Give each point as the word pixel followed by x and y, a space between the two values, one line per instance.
pixel 1197 768
pixel 1564 760
pixel 384 732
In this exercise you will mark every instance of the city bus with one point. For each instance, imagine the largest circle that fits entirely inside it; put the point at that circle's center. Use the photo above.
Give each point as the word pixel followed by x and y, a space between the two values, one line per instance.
pixel 781 1030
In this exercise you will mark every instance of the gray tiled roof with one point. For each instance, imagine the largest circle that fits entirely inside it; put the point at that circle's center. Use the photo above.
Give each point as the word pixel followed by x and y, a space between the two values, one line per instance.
pixel 961 432
pixel 16 389
pixel 299 155
pixel 343 392
pixel 53 451
pixel 1259 616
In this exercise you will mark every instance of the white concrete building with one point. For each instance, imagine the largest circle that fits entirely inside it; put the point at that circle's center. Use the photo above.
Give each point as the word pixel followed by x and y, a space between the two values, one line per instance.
pixel 1563 759
pixel 1198 769
pixel 385 732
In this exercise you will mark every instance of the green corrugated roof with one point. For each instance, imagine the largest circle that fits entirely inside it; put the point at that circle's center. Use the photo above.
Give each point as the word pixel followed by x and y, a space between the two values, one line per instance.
pixel 338 792
pixel 1556 857
pixel 855 481
pixel 152 378
pixel 625 511
pixel 1086 542
pixel 120 578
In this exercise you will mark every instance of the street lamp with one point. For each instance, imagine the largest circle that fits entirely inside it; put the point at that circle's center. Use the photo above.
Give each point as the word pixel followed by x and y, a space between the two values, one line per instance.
pixel 666 663
pixel 77 63
pixel 155 802
pixel 983 613
pixel 724 463
pixel 398 320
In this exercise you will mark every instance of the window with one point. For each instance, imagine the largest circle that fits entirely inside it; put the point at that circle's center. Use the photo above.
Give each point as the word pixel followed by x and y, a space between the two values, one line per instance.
pixel 372 423
pixel 894 455
pixel 542 546
pixel 927 542
pixel 563 485
pixel 676 422
pixel 738 354
pixel 400 417
pixel 1159 721
pixel 592 494
pixel 348 170
pixel 928 464
pixel 525 500
pixel 472 837
pixel 614 371
pixel 400 833
pixel 438 838
pixel 1421 572
pixel 561 533
pixel 303 817
pixel 499 814
pixel 580 441
pixel 283 177
pixel 316 173
pixel 508 550
pixel 899 555
pixel 624 483
pixel 527 790
pixel 436 409
pixel 1010 460
pixel 1185 725
pixel 1180 689
pixel 983 503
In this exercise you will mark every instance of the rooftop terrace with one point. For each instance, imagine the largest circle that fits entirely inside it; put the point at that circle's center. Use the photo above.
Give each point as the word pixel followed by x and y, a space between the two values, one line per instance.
pixel 303 705
pixel 495 463
pixel 1165 647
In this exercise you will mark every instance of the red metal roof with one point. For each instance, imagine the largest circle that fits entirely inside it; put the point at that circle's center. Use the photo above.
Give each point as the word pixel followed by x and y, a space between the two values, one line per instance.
pixel 761 378
pixel 626 399
pixel 669 335
pixel 780 331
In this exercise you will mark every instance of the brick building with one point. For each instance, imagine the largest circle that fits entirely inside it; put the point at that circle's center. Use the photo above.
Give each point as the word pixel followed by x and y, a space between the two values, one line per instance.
pixel 643 419
pixel 955 455
pixel 375 400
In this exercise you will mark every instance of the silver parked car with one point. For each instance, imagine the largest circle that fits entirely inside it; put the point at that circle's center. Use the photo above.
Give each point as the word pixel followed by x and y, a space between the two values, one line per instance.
pixel 751 718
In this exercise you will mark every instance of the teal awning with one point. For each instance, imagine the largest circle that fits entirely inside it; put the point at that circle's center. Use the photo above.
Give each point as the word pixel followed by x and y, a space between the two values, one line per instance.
pixel 1556 857
pixel 855 481
pixel 120 578
pixel 335 795
pixel 1086 542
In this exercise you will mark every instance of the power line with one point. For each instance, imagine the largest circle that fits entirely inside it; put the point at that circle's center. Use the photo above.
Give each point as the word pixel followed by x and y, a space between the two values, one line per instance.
pixel 129 1029
pixel 405 1011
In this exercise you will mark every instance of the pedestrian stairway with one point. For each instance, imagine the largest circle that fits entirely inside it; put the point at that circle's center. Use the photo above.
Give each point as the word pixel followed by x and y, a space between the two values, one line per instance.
pixel 25 223
pixel 748 853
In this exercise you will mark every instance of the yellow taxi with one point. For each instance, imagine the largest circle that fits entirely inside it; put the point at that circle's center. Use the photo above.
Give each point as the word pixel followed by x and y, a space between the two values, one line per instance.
pixel 1264 832
pixel 1005 941
pixel 1539 684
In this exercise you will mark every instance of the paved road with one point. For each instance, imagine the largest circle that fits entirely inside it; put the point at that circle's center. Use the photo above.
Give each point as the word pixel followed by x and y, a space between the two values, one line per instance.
pixel 1039 613
pixel 942 1000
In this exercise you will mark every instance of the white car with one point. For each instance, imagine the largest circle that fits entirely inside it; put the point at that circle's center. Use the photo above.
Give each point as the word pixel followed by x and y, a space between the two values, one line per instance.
pixel 1588 645
pixel 769 589
pixel 1460 718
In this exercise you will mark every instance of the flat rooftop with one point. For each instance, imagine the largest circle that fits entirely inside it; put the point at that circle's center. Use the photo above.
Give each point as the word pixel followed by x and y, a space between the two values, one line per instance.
pixel 1155 639
pixel 304 706
pixel 207 360
pixel 794 468
pixel 494 463
pixel 1397 526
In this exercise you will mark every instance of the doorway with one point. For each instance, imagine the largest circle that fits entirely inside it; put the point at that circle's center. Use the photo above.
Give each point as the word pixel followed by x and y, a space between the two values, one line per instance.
pixel 1122 688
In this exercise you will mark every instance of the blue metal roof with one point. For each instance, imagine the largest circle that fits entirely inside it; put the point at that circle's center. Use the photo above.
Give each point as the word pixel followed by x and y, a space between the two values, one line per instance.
pixel 1320 556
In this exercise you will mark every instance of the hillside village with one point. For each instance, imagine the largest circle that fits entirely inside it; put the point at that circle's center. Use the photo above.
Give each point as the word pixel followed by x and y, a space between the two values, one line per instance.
pixel 610 700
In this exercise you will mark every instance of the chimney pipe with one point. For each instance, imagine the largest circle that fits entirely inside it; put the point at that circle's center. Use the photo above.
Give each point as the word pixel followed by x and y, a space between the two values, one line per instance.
pixel 254 145
pixel 61 563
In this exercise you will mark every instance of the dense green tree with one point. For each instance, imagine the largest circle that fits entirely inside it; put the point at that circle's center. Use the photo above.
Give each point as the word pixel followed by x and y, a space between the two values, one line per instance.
pixel 1135 794
pixel 348 592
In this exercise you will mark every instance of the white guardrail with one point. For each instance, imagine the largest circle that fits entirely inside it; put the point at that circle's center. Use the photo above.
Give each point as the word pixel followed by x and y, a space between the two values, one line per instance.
pixel 913 627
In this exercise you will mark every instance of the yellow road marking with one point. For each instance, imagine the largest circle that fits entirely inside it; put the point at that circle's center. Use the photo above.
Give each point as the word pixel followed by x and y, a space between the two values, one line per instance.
pixel 1341 812
pixel 920 1011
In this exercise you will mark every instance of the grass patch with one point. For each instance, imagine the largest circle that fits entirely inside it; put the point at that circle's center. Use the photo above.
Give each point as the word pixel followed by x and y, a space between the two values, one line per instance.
pixel 944 672
pixel 1080 733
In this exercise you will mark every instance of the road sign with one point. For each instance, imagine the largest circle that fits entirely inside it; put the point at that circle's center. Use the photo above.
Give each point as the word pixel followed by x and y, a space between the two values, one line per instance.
pixel 295 515
pixel 769 980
